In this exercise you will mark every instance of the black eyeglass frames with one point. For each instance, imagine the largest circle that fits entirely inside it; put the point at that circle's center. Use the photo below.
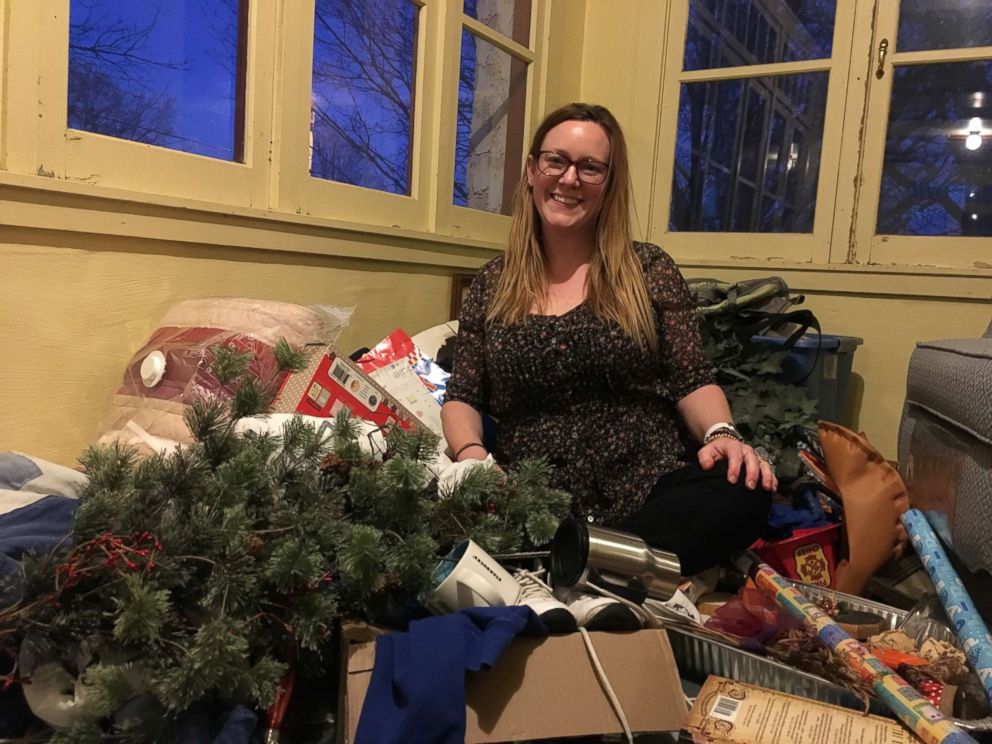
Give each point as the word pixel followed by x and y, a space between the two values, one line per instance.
pixel 554 164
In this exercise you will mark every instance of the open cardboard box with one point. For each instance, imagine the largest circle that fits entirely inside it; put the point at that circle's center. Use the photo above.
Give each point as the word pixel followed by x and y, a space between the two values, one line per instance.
pixel 546 687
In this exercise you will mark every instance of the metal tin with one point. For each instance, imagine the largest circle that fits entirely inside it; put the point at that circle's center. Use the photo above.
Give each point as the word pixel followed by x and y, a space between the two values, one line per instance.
pixel 698 657
pixel 892 616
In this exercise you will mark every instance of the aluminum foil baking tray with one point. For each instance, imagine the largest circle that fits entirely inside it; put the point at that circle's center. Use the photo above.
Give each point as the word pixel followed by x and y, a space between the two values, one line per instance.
pixel 699 656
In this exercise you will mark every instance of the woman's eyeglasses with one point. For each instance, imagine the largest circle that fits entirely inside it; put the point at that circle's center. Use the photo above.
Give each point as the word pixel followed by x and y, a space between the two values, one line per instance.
pixel 554 164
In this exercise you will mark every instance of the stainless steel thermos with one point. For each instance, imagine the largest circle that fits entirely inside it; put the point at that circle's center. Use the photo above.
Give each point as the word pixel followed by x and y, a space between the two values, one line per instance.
pixel 583 554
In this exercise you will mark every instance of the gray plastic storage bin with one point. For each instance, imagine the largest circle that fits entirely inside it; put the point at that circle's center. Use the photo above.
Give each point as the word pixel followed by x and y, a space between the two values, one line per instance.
pixel 826 374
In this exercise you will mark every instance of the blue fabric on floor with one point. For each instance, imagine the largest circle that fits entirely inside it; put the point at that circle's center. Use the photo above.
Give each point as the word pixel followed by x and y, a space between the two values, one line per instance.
pixel 417 690
pixel 195 726
pixel 16 471
pixel 35 528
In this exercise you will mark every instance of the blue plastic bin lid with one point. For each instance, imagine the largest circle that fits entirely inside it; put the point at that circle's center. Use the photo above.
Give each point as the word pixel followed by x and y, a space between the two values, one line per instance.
pixel 826 342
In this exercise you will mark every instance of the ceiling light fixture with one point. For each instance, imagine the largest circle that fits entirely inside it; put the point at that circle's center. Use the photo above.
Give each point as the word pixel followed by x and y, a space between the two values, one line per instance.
pixel 973 136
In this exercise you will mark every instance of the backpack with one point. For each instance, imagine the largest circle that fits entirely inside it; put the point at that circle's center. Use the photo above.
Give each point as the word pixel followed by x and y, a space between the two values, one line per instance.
pixel 768 294
pixel 756 307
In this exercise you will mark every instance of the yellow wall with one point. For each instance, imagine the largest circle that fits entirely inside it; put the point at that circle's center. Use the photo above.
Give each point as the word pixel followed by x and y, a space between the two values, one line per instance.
pixel 890 327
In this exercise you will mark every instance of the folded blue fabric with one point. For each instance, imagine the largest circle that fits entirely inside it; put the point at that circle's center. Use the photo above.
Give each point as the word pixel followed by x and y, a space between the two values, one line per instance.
pixel 40 527
pixel 805 512
pixel 417 690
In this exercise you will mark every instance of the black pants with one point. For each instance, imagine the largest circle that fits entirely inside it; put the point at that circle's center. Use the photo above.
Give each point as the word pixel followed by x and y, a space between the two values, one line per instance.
pixel 700 516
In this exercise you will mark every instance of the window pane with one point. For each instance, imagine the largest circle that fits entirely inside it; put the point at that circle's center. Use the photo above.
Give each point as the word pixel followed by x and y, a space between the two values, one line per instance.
pixel 728 33
pixel 937 177
pixel 949 24
pixel 364 54
pixel 509 17
pixel 165 73
pixel 489 147
pixel 747 154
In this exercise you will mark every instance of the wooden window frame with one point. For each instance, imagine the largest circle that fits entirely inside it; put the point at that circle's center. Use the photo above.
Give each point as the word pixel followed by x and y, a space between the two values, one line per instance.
pixel 946 251
pixel 274 180
pixel 787 247
pixel 851 161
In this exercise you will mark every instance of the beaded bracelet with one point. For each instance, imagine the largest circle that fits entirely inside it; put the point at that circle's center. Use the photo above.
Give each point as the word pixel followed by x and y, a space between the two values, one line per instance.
pixel 724 432
pixel 465 447
pixel 718 425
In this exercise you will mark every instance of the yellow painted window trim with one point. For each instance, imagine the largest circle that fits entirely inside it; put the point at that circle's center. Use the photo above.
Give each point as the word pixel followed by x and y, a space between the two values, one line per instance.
pixel 451 219
pixel 429 206
pixel 868 247
pixel 4 26
pixel 33 205
pixel 38 140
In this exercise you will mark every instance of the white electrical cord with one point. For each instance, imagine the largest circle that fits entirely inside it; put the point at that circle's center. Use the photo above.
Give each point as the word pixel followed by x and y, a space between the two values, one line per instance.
pixel 601 673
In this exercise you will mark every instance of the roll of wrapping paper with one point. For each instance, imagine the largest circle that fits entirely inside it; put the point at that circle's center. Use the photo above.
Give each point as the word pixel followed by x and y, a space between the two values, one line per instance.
pixel 971 631
pixel 906 703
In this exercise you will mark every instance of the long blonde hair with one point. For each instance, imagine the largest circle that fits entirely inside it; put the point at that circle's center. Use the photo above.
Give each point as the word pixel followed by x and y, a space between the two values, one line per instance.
pixel 615 287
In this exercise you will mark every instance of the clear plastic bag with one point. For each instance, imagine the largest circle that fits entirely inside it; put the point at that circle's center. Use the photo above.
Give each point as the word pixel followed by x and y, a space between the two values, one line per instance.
pixel 172 368
pixel 752 617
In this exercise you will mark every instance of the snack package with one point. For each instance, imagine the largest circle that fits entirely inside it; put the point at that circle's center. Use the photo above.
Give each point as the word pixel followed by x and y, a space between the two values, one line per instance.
pixel 413 379
pixel 172 368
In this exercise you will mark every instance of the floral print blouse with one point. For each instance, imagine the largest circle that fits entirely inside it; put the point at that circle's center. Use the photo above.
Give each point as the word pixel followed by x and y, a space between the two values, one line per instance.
pixel 577 390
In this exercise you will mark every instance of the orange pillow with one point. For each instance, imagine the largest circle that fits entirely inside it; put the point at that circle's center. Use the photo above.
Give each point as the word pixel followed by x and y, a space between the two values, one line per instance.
pixel 874 497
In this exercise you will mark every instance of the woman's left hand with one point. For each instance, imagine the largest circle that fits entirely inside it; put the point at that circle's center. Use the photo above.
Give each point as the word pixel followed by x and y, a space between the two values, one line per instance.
pixel 756 468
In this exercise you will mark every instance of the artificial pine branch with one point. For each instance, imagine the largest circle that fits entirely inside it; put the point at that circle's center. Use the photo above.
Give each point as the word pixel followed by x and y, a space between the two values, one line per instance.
pixel 229 363
pixel 143 610
pixel 251 398
pixel 419 445
pixel 289 359
pixel 362 556
pixel 106 687
pixel 213 564
pixel 84 731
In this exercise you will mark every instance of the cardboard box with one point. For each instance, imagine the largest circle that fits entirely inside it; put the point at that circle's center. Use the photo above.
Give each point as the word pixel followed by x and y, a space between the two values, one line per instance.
pixel 732 712
pixel 546 687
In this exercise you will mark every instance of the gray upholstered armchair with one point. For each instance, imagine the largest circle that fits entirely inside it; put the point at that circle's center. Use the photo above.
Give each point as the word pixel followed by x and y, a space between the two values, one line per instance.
pixel 945 443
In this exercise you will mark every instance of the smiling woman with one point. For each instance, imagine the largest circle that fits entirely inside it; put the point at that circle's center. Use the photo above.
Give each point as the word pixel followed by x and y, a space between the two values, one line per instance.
pixel 167 74
pixel 568 177
pixel 585 346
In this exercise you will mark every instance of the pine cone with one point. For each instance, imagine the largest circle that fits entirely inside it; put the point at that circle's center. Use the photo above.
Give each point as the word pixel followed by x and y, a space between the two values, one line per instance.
pixel 255 544
pixel 332 463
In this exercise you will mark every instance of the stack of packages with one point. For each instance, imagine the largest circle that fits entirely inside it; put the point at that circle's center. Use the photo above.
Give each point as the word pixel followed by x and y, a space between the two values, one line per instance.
pixel 392 383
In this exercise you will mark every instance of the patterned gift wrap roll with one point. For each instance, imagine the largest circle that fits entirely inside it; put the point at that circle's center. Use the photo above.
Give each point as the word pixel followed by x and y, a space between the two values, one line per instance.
pixel 905 702
pixel 972 633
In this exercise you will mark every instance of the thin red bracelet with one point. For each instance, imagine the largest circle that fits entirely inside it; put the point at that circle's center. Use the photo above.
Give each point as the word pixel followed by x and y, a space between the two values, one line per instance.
pixel 466 446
